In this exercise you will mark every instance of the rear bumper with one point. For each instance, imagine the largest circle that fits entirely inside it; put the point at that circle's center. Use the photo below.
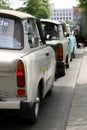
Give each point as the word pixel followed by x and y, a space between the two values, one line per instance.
pixel 15 105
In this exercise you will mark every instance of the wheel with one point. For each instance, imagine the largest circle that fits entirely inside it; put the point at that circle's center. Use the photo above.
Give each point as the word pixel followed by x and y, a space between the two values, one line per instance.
pixel 35 110
pixel 63 72
pixel 56 75
pixel 31 115
pixel 50 92
pixel 67 65
pixel 67 62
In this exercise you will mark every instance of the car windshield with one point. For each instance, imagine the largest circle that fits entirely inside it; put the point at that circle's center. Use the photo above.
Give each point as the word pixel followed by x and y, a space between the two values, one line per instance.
pixel 10 33
pixel 50 31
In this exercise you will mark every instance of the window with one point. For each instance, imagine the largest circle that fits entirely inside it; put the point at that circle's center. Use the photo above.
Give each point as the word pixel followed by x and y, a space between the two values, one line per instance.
pixel 60 14
pixel 50 31
pixel 60 18
pixel 54 18
pixel 66 14
pixel 63 18
pixel 10 33
pixel 57 14
pixel 61 31
pixel 54 14
pixel 63 14
pixel 66 18
pixel 33 34
pixel 69 18
pixel 63 10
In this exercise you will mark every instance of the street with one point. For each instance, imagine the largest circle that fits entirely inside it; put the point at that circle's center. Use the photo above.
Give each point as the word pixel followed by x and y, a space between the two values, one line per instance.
pixel 55 110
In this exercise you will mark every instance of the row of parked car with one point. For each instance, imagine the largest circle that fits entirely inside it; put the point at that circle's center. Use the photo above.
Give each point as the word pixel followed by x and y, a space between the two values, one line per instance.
pixel 32 53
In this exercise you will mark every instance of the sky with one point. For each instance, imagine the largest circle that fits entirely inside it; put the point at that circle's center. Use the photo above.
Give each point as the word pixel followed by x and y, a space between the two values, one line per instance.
pixel 64 3
pixel 58 3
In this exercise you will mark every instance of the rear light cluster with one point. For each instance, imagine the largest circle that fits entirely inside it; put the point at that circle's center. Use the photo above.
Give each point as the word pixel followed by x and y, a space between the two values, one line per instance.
pixel 20 78
pixel 60 52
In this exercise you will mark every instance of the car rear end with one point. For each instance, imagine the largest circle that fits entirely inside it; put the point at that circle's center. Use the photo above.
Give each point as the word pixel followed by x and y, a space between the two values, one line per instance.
pixel 12 81
pixel 12 65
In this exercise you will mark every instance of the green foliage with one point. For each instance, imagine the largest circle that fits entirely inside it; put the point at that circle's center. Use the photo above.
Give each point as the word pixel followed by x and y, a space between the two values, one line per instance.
pixel 83 6
pixel 38 8
pixel 84 23
pixel 71 23
pixel 4 4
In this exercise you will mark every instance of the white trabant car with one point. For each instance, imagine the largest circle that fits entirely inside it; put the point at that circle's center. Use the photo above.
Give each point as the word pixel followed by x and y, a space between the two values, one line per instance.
pixel 27 65
pixel 55 37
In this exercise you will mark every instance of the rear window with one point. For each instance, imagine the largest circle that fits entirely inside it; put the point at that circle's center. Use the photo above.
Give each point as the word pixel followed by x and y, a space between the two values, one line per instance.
pixel 10 33
pixel 50 30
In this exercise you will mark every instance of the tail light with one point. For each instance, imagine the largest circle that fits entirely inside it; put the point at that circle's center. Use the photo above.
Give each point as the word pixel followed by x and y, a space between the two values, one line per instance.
pixel 21 92
pixel 60 52
pixel 20 74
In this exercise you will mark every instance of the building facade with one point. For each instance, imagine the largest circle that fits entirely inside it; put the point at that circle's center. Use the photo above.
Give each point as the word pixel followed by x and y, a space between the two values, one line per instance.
pixel 61 14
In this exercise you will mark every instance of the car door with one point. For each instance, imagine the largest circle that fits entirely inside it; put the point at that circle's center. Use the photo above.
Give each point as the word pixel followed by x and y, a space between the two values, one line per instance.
pixel 50 60
pixel 41 55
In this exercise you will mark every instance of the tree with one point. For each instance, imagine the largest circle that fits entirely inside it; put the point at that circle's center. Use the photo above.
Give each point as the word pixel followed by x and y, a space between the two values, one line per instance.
pixel 83 4
pixel 4 4
pixel 38 8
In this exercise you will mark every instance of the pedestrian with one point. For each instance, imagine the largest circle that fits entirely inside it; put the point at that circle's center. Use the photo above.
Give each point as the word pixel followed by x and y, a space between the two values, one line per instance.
pixel 75 32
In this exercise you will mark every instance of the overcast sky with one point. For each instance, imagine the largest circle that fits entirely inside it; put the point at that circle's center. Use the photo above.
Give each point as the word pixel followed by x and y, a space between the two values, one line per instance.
pixel 64 3
pixel 58 3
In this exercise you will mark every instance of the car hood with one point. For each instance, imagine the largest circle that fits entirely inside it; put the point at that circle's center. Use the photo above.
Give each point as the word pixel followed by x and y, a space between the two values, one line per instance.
pixel 8 61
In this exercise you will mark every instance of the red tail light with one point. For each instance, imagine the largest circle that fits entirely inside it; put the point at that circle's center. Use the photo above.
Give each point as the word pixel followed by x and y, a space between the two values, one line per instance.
pixel 21 92
pixel 60 52
pixel 20 74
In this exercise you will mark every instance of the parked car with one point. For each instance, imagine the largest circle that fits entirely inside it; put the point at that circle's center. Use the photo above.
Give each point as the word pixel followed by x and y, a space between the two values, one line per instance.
pixel 27 65
pixel 72 40
pixel 54 35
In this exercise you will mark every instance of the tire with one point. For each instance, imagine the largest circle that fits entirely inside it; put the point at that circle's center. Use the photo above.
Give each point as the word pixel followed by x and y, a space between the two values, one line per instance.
pixel 50 92
pixel 67 66
pixel 63 71
pixel 35 110
pixel 67 63
pixel 31 115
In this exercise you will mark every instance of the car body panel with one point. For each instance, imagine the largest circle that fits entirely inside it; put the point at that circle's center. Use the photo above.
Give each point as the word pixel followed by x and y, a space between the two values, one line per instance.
pixel 37 61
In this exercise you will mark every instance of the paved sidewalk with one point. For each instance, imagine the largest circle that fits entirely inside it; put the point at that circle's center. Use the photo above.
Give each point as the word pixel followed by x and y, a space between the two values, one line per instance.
pixel 78 112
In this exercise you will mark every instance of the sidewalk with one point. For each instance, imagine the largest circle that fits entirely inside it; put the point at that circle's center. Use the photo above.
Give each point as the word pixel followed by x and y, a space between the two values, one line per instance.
pixel 78 113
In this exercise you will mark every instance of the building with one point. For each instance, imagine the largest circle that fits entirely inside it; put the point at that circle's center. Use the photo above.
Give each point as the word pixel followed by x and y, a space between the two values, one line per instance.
pixel 77 15
pixel 61 14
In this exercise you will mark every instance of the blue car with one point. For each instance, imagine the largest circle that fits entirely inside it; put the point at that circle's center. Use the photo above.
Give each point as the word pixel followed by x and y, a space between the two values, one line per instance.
pixel 72 41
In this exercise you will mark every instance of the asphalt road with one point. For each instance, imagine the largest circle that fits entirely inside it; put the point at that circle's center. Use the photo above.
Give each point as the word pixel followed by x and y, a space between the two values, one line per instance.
pixel 55 110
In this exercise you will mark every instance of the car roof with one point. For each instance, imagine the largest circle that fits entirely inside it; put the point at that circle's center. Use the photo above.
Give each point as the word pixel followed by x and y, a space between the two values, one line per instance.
pixel 17 14
pixel 50 21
